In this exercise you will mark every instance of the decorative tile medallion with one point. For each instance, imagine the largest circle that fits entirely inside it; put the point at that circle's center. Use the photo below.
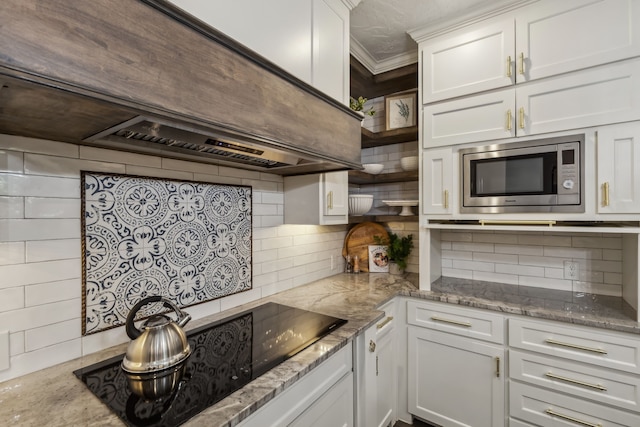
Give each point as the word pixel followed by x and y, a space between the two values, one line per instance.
pixel 188 241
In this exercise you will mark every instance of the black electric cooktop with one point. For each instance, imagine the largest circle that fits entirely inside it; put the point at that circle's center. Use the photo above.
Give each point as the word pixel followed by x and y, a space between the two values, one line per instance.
pixel 226 355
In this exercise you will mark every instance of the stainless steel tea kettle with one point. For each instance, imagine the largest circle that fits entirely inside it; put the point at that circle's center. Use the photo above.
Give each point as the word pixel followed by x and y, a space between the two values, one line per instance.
pixel 160 343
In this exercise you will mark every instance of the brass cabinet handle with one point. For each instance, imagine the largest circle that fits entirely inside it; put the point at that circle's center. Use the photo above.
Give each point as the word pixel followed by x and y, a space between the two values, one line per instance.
pixel 509 120
pixel 498 367
pixel 453 322
pixel 550 222
pixel 572 419
pixel 446 199
pixel 384 322
pixel 521 118
pixel 330 199
pixel 372 346
pixel 575 346
pixel 577 382
pixel 605 194
pixel 509 66
pixel 521 70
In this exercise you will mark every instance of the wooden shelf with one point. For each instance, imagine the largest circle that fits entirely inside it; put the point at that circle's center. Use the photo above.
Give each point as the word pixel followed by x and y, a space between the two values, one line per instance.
pixel 382 218
pixel 358 177
pixel 388 137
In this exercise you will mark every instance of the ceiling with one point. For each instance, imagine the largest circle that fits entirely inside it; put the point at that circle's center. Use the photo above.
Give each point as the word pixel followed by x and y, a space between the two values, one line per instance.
pixel 379 38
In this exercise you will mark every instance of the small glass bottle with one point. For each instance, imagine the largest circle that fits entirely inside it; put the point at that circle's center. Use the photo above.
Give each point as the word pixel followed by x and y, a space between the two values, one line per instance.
pixel 356 264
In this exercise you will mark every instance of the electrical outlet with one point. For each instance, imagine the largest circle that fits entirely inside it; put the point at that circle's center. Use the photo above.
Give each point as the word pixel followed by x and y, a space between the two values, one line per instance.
pixel 571 270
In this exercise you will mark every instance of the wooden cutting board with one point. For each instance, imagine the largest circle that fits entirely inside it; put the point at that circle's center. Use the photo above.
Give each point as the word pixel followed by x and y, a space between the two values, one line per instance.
pixel 358 240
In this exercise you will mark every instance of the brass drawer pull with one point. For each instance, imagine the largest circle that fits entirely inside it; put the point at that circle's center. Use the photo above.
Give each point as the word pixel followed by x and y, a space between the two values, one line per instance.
pixel 577 382
pixel 572 419
pixel 521 70
pixel 446 199
pixel 497 367
pixel 509 120
pixel 508 66
pixel 577 347
pixel 384 322
pixel 521 117
pixel 330 199
pixel 453 322
pixel 605 194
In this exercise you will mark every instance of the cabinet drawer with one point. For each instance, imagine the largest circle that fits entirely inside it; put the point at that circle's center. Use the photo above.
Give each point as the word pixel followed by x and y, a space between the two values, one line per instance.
pixel 467 322
pixel 545 408
pixel 585 381
pixel 609 350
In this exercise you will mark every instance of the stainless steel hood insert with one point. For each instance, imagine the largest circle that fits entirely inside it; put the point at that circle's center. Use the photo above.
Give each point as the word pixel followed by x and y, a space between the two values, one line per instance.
pixel 147 134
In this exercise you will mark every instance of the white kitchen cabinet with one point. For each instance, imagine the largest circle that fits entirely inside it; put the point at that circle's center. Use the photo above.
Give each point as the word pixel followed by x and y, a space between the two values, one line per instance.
pixel 455 379
pixel 377 380
pixel 572 375
pixel 437 180
pixel 475 118
pixel 598 96
pixel 307 38
pixel 544 39
pixel 618 168
pixel 328 387
pixel 333 409
pixel 471 60
pixel 555 37
pixel 320 199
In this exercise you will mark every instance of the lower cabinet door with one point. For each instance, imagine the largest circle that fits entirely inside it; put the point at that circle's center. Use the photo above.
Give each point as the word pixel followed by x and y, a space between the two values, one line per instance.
pixel 455 381
pixel 385 384
pixel 333 409
pixel 542 407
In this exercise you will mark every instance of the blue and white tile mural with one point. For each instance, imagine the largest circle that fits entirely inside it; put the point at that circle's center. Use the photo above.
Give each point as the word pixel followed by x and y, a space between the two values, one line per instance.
pixel 188 241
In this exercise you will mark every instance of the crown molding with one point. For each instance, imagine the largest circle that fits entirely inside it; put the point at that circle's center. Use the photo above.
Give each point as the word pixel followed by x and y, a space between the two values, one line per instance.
pixel 351 4
pixel 377 67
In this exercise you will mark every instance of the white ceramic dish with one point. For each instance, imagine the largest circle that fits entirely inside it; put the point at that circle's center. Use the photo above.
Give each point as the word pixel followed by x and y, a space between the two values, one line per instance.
pixel 359 204
pixel 406 205
pixel 409 163
pixel 373 168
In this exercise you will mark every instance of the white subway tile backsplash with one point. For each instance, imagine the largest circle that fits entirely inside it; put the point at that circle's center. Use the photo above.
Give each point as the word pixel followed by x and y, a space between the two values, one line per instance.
pixel 41 315
pixel 215 179
pixel 12 253
pixel 240 298
pixel 16 343
pixel 495 277
pixel 113 156
pixel 11 299
pixel 460 274
pixel 598 288
pixel 38 164
pixel 38 272
pixel 11 161
pixel 48 207
pixel 52 334
pixel 186 166
pixel 536 259
pixel 545 282
pixel 100 341
pixel 12 230
pixel 42 358
pixel 157 173
pixel 51 250
pixel 48 292
pixel 11 207
pixel 38 186
pixel 32 145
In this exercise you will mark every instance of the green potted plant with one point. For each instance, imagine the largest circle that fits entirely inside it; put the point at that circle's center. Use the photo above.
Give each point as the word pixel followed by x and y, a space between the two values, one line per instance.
pixel 398 249
pixel 358 105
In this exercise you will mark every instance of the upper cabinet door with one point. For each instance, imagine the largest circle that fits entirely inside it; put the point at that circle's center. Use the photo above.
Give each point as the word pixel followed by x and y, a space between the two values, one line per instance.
pixel 471 60
pixel 336 195
pixel 554 37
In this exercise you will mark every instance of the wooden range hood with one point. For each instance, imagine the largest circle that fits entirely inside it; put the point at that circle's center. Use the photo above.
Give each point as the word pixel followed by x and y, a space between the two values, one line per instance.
pixel 71 70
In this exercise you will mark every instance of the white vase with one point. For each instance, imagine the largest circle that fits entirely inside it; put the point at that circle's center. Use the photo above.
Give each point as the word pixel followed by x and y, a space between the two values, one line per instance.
pixel 395 269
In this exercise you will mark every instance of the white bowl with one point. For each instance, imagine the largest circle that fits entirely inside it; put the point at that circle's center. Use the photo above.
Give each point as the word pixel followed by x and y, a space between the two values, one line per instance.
pixel 409 163
pixel 359 204
pixel 373 168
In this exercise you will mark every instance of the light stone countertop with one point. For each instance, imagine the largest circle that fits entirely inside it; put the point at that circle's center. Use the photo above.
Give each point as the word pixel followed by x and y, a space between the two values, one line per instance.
pixel 55 397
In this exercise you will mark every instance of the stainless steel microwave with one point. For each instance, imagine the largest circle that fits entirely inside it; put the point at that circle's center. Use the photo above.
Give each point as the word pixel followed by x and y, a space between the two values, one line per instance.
pixel 545 175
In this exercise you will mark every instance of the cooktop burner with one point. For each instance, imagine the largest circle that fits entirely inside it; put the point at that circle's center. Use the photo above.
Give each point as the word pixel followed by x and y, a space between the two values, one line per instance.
pixel 225 356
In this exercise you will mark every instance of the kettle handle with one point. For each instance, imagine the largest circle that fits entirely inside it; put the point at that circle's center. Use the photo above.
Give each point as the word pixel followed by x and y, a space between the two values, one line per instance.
pixel 134 332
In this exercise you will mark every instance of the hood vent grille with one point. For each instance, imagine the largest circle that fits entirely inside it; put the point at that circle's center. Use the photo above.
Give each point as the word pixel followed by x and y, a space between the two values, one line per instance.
pixel 207 149
pixel 147 134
